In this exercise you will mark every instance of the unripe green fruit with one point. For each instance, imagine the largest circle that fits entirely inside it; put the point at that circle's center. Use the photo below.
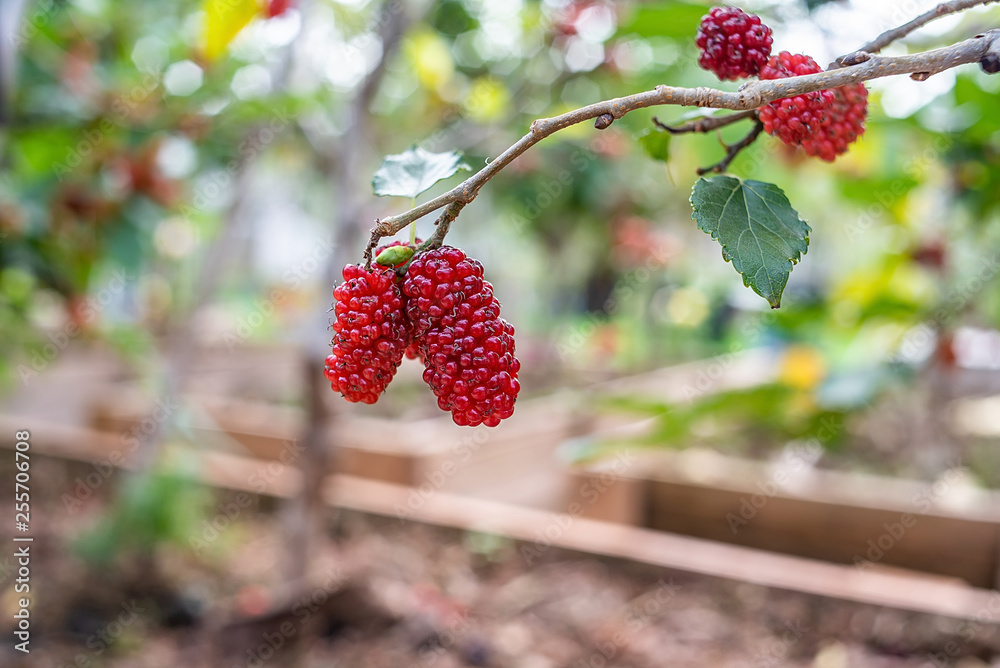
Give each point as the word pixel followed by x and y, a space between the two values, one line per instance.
pixel 394 255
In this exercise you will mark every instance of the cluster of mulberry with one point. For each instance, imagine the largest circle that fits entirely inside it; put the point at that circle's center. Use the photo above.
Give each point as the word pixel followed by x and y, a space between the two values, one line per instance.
pixel 441 311
pixel 737 45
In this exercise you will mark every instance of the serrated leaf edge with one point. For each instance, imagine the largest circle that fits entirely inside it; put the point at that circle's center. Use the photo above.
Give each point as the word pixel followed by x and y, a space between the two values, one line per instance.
pixel 727 256
pixel 461 166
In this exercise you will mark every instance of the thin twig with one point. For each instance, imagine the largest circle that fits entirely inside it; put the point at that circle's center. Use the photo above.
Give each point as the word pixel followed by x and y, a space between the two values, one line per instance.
pixel 705 124
pixel 732 150
pixel 750 96
pixel 372 243
pixel 441 227
pixel 943 9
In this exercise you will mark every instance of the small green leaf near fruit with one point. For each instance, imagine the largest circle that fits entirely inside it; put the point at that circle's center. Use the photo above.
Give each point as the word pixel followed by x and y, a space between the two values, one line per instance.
pixel 412 172
pixel 394 255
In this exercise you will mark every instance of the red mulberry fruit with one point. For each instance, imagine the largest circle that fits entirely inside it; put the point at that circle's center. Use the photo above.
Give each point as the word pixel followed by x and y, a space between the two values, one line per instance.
pixel 823 123
pixel 370 333
pixel 467 348
pixel 734 44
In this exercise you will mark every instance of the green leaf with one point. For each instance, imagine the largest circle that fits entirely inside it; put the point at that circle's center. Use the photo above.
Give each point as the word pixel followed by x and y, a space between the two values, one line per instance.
pixel 411 173
pixel 678 20
pixel 656 143
pixel 760 232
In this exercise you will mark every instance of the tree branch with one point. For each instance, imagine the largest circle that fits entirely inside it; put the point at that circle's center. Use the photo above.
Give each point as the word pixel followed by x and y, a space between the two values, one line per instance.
pixel 732 150
pixel 705 124
pixel 991 59
pixel 943 9
pixel 750 96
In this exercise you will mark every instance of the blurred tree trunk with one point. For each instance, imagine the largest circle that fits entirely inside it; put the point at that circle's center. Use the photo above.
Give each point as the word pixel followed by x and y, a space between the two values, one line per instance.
pixel 347 160
pixel 11 29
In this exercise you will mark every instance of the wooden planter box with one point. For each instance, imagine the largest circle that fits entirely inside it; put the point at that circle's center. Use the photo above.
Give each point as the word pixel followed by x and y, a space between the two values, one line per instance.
pixel 514 463
pixel 869 522
pixel 542 530
pixel 811 531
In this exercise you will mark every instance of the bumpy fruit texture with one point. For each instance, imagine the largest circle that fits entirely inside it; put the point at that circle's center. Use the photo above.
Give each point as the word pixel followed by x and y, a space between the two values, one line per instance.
pixel 734 44
pixel 412 349
pixel 793 120
pixel 467 348
pixel 843 124
pixel 370 333
pixel 822 123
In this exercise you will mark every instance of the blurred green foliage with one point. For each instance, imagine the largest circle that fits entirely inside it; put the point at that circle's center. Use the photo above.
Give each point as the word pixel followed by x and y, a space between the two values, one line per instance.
pixel 125 144
pixel 746 421
pixel 153 510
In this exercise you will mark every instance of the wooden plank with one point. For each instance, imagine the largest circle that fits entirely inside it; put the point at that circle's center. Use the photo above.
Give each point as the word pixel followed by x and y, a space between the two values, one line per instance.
pixel 904 590
pixel 857 535
pixel 977 416
pixel 481 461
pixel 707 496
pixel 944 528
pixel 620 500
pixel 514 462
pixel 881 586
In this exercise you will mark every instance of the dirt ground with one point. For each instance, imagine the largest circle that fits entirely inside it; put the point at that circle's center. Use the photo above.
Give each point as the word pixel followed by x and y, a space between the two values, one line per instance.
pixel 383 592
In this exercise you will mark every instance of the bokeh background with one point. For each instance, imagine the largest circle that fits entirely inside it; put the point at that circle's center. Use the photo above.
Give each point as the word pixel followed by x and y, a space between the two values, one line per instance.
pixel 181 184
